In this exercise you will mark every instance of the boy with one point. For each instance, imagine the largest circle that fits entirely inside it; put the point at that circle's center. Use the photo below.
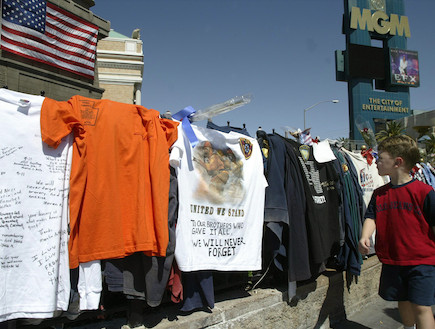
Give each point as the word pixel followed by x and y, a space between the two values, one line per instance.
pixel 403 214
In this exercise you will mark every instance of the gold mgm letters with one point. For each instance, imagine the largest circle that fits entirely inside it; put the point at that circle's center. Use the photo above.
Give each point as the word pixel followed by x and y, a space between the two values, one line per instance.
pixel 379 22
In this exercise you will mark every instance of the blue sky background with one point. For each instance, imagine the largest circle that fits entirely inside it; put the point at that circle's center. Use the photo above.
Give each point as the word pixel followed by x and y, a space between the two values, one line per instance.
pixel 204 52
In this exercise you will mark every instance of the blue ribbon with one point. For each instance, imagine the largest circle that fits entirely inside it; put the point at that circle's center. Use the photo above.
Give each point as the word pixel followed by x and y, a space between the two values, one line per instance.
pixel 183 116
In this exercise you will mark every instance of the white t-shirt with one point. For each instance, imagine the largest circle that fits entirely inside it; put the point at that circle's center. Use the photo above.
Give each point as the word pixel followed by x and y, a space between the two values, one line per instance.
pixel 221 201
pixel 34 184
pixel 368 176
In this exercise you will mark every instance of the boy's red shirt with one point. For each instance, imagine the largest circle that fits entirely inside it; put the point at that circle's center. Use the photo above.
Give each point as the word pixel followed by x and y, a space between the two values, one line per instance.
pixel 403 233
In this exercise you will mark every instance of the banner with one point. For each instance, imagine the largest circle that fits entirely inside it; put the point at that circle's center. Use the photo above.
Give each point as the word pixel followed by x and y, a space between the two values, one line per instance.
pixel 41 31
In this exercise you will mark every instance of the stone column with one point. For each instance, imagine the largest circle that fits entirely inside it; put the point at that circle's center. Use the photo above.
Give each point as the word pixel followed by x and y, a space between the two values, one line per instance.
pixel 138 97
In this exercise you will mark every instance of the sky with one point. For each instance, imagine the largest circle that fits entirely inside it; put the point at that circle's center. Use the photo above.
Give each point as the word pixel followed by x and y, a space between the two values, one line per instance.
pixel 281 52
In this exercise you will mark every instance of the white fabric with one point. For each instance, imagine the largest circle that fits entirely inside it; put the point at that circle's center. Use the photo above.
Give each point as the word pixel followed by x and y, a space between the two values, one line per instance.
pixel 418 174
pixel 90 285
pixel 368 176
pixel 34 184
pixel 322 152
pixel 221 212
pixel 369 180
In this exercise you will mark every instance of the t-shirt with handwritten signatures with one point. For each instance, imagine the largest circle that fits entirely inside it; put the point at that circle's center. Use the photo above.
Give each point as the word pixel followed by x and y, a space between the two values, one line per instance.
pixel 34 182
pixel 119 176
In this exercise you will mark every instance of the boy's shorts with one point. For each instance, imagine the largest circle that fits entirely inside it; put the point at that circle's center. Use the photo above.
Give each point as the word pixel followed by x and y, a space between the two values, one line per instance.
pixel 408 283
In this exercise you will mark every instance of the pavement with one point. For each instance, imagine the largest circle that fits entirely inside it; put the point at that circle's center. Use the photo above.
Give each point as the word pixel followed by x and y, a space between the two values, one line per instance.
pixel 378 314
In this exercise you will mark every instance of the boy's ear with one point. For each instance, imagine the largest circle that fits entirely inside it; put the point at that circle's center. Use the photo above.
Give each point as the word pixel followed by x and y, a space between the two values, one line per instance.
pixel 398 161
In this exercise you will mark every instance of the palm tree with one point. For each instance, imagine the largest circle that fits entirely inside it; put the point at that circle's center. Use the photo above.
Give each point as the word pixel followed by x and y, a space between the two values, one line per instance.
pixel 392 129
pixel 345 142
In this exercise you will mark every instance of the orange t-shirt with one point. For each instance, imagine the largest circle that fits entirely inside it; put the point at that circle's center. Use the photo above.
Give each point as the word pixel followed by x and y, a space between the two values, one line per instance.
pixel 119 185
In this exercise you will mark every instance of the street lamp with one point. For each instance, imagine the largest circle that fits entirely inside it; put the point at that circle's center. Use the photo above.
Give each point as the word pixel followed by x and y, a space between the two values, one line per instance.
pixel 309 108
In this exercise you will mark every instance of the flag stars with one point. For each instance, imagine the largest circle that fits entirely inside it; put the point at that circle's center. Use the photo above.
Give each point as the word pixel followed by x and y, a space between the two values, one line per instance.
pixel 32 14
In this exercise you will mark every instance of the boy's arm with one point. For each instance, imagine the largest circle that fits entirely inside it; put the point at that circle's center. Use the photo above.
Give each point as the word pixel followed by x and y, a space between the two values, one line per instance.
pixel 369 227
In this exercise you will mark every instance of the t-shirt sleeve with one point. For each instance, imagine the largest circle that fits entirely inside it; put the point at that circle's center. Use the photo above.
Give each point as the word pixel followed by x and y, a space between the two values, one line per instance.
pixel 177 149
pixel 57 120
pixel 429 208
pixel 371 208
pixel 170 129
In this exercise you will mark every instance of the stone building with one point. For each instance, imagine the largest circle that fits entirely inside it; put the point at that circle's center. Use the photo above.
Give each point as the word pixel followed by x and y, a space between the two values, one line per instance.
pixel 420 123
pixel 120 67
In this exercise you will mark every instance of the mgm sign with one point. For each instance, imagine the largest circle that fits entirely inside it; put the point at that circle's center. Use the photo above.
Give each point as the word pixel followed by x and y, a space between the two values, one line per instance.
pixel 376 64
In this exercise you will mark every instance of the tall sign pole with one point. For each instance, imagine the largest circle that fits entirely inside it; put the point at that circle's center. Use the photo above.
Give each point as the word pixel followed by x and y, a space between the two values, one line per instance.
pixel 376 64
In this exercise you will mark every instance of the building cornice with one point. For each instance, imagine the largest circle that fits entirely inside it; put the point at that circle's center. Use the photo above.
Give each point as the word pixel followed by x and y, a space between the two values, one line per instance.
pixel 120 65
pixel 119 55
pixel 120 79
pixel 123 40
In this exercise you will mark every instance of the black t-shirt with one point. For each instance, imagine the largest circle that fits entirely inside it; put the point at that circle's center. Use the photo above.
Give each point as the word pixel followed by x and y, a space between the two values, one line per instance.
pixel 322 200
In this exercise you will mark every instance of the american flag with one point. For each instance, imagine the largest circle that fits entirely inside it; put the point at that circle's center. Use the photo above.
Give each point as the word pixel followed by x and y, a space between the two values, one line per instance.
pixel 305 137
pixel 41 31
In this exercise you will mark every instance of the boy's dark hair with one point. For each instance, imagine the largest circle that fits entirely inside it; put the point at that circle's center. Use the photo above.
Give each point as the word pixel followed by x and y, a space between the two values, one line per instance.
pixel 401 146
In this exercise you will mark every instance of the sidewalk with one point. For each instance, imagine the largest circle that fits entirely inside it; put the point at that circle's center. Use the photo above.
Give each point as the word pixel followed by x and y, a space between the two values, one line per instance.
pixel 378 314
